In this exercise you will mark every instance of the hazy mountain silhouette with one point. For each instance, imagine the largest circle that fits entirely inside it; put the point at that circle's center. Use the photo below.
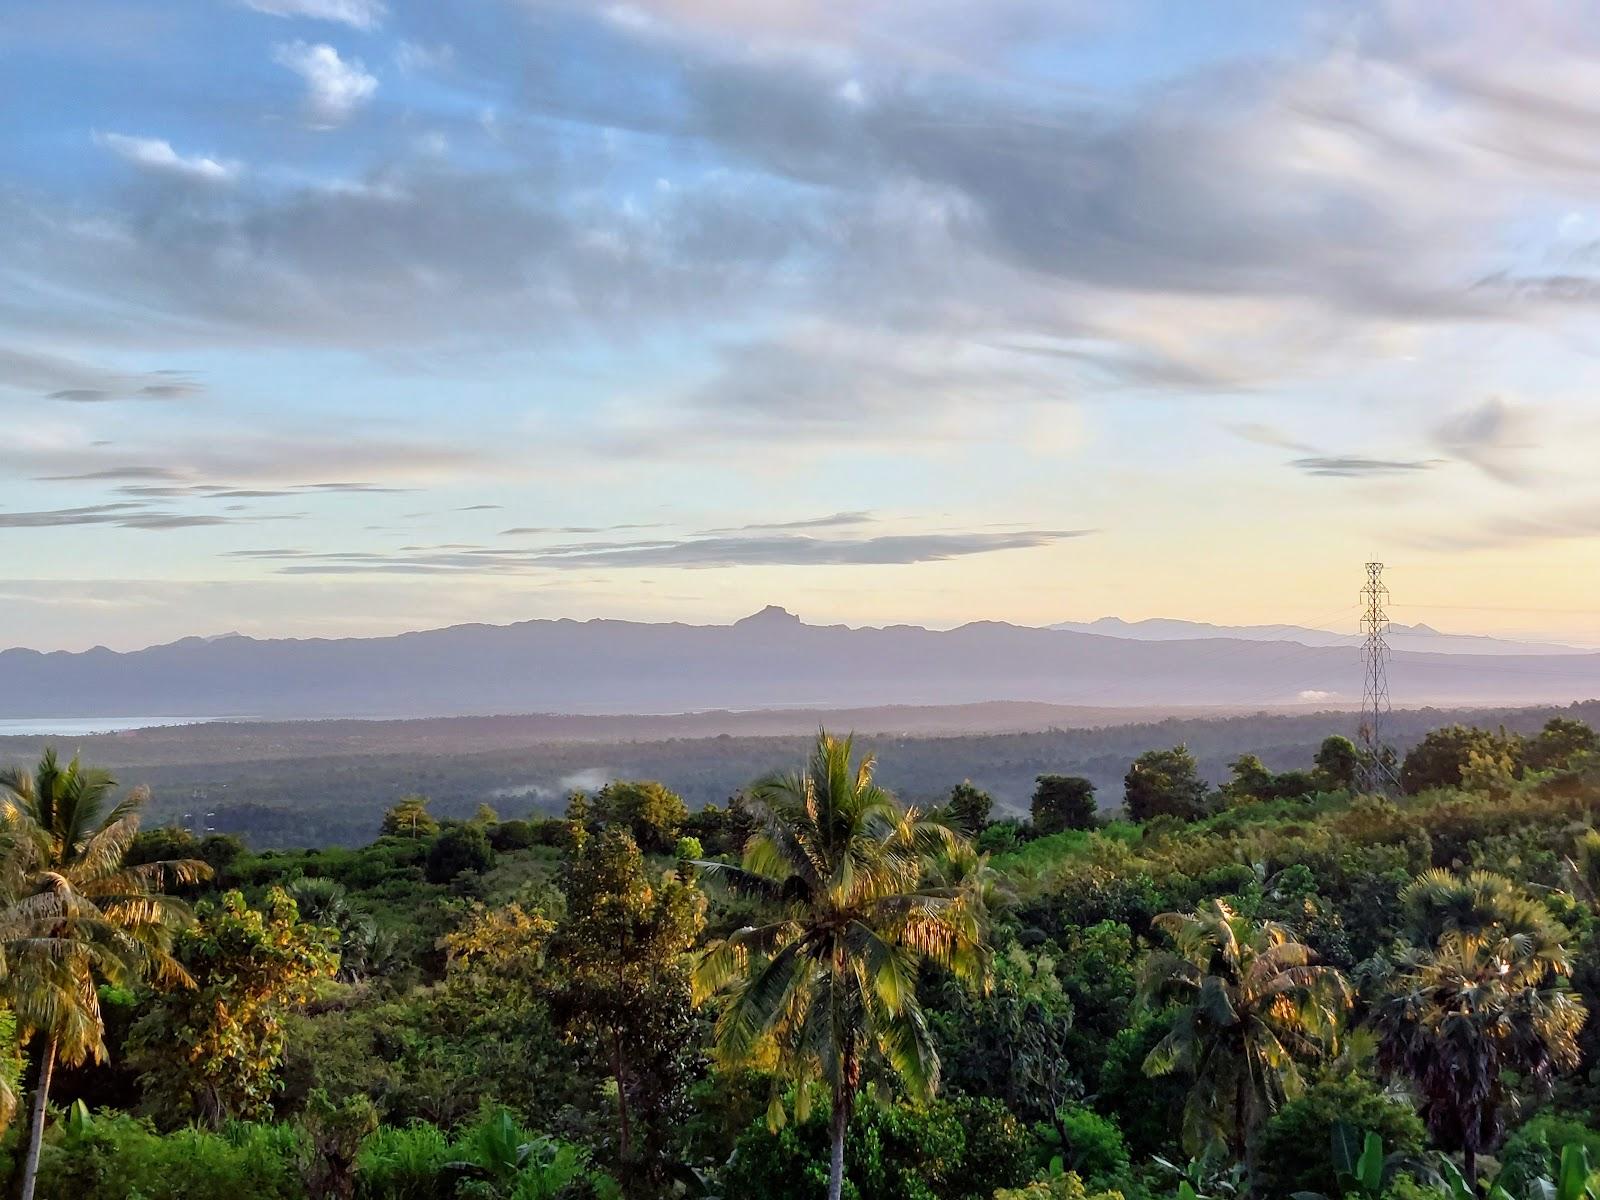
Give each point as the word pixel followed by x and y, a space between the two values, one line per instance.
pixel 769 660
pixel 1423 639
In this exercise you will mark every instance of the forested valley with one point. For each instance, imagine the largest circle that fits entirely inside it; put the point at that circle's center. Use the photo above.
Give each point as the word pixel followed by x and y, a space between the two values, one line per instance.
pixel 1294 984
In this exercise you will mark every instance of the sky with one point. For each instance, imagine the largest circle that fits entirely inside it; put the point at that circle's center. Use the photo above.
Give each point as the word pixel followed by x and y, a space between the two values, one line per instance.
pixel 346 317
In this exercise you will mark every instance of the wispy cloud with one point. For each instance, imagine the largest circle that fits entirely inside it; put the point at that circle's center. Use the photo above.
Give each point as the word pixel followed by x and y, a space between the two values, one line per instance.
pixel 127 515
pixel 358 14
pixel 831 521
pixel 689 553
pixel 1353 467
pixel 1491 435
pixel 157 154
pixel 335 87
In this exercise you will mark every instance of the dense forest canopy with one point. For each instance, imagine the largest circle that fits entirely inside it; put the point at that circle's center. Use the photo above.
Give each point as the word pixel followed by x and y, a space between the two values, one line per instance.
pixel 329 783
pixel 1162 981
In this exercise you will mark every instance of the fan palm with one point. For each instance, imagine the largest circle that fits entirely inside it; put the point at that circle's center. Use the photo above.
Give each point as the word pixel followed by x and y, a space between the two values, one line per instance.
pixel 77 916
pixel 1251 1004
pixel 827 984
pixel 1488 997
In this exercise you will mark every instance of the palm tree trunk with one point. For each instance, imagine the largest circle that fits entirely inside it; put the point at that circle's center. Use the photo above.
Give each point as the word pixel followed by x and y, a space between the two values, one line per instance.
pixel 1469 1168
pixel 42 1063
pixel 840 1123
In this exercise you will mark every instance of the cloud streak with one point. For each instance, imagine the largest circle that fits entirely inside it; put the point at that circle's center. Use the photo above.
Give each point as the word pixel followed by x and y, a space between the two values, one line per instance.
pixel 699 553
pixel 157 155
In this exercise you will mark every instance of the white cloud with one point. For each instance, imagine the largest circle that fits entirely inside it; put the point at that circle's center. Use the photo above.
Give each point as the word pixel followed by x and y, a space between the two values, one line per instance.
pixel 359 14
pixel 335 87
pixel 420 56
pixel 155 154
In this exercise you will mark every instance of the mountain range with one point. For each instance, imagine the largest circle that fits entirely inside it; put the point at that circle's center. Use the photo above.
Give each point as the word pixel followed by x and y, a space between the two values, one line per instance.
pixel 769 660
pixel 1424 639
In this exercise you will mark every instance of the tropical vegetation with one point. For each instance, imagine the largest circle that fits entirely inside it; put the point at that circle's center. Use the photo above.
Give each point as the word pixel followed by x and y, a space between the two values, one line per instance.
pixel 1260 986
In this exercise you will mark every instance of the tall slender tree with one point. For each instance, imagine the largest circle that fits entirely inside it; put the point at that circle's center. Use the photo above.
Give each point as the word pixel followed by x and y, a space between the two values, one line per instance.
pixel 81 917
pixel 828 981
pixel 1251 1005
pixel 1486 998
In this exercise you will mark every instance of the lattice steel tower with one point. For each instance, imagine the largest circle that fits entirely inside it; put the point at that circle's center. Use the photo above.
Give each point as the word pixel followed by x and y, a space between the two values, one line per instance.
pixel 1377 766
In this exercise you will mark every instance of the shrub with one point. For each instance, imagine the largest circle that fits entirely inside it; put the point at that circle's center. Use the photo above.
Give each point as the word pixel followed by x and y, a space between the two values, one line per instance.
pixel 512 835
pixel 1062 802
pixel 1534 1150
pixel 950 1150
pixel 459 848
pixel 1054 1187
pixel 1295 1150
pixel 114 1157
pixel 647 809
pixel 1091 1145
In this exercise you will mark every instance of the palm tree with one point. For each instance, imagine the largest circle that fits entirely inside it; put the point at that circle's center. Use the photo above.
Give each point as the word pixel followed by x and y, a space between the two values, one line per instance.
pixel 78 916
pixel 1488 997
pixel 828 982
pixel 1251 1004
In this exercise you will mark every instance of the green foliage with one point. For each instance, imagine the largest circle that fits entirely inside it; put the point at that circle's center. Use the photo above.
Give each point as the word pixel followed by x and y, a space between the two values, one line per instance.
pixel 1062 802
pixel 1010 1042
pixel 1487 998
pixel 1090 1144
pixel 1145 1108
pixel 494 1158
pixel 1563 743
pixel 1249 1005
pixel 970 807
pixel 1444 758
pixel 1338 762
pixel 648 810
pixel 118 1157
pixel 333 1134
pixel 829 979
pixel 1533 1151
pixel 1164 783
pixel 1056 1186
pixel 622 990
pixel 457 849
pixel 1295 1152
pixel 409 818
pixel 212 1051
pixel 948 1150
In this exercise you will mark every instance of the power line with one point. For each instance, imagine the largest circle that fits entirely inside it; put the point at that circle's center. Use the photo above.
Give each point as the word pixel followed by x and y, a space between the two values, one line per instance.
pixel 1377 768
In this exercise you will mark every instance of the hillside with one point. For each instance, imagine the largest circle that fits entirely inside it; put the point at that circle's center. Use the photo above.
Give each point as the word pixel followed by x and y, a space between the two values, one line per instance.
pixel 769 660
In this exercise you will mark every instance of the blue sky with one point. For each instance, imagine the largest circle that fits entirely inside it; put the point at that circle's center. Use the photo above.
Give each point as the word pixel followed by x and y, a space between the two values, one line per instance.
pixel 330 317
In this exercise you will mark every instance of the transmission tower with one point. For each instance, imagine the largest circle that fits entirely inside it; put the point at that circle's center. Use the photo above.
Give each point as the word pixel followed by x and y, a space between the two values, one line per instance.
pixel 1377 766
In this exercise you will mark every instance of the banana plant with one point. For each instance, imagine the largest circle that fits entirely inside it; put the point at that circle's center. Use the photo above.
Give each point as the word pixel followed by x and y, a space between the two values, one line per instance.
pixel 1575 1180
pixel 1364 1171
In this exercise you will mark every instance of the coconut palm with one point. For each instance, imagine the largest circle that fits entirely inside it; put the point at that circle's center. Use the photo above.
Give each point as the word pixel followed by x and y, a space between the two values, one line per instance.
pixel 827 984
pixel 1488 997
pixel 77 917
pixel 1251 1005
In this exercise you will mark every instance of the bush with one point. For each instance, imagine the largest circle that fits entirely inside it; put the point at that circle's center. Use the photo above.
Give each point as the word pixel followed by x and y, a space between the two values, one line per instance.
pixel 1062 802
pixel 1092 1145
pixel 1054 1187
pixel 1001 837
pixel 513 835
pixel 1164 783
pixel 1295 1149
pixel 459 848
pixel 960 1150
pixel 647 809
pixel 115 1157
pixel 1534 1150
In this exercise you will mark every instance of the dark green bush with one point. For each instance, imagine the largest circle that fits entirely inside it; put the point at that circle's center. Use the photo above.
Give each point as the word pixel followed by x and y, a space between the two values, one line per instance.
pixel 1295 1150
